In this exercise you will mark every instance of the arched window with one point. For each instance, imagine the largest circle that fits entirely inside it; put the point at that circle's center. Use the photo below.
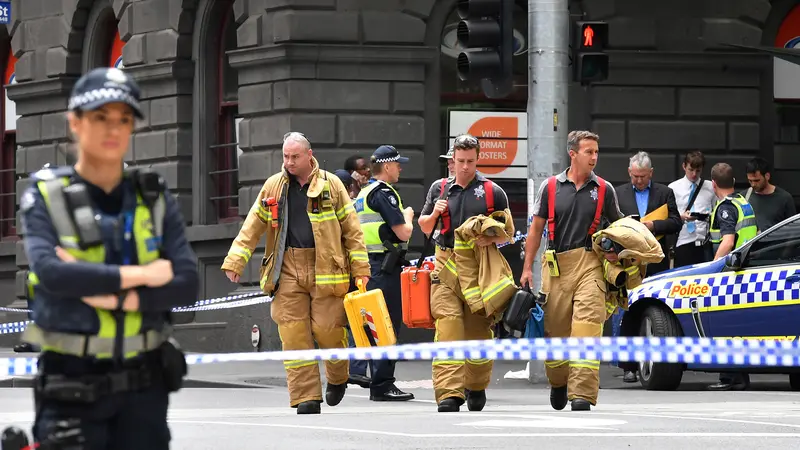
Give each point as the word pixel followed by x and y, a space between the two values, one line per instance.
pixel 102 43
pixel 8 160
pixel 786 91
pixel 459 99
pixel 115 55
pixel 225 161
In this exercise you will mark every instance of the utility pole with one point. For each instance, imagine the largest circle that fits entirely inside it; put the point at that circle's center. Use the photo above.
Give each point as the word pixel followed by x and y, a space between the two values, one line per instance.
pixel 548 85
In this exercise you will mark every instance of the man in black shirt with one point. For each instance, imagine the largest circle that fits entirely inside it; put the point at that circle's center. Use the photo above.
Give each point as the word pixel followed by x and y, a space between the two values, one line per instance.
pixel 454 200
pixel 572 203
pixel 771 203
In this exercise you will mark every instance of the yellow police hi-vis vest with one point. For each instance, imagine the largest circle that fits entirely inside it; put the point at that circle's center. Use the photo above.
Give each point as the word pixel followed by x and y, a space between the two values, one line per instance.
pixel 147 230
pixel 746 226
pixel 372 220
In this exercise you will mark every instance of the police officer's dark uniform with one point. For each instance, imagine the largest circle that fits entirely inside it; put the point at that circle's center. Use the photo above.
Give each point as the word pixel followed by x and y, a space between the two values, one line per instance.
pixel 379 208
pixel 733 215
pixel 106 374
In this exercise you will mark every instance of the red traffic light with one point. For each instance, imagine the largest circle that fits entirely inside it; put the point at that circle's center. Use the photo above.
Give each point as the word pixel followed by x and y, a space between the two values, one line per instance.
pixel 592 36
pixel 588 36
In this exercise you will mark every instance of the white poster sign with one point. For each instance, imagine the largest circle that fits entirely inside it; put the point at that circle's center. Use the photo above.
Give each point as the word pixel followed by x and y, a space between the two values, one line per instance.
pixel 503 137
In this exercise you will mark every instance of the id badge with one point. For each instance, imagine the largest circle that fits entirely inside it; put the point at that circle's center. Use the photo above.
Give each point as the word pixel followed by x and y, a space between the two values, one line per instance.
pixel 327 203
pixel 552 263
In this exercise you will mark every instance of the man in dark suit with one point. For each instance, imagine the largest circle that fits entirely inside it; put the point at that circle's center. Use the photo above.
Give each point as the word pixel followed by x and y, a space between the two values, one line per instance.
pixel 642 196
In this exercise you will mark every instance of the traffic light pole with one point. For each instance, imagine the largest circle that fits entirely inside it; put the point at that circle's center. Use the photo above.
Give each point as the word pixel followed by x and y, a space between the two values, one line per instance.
pixel 548 84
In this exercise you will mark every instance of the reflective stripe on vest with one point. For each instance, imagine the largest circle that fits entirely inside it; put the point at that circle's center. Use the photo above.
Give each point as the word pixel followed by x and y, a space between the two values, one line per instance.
pixel 746 226
pixel 147 231
pixel 372 220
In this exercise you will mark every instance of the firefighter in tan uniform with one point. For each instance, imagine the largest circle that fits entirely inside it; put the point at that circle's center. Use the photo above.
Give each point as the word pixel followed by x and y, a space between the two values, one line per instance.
pixel 314 243
pixel 573 204
pixel 455 200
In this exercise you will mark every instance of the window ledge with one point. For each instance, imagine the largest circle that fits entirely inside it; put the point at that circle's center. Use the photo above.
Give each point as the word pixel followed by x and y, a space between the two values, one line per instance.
pixel 222 231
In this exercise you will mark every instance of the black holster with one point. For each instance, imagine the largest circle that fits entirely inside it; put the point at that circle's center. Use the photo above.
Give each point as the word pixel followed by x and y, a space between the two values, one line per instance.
pixel 173 362
pixel 393 258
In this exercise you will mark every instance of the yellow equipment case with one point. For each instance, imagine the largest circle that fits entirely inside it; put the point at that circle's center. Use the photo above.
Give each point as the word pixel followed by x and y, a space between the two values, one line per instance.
pixel 369 318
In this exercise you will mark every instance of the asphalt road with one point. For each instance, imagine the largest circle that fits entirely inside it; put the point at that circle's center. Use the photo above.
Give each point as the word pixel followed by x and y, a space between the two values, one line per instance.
pixel 255 415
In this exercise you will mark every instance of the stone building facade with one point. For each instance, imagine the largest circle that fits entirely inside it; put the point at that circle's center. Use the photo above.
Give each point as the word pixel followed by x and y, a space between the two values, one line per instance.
pixel 223 80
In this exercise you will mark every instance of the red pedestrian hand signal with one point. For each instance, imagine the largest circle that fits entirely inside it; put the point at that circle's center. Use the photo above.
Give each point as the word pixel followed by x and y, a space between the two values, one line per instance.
pixel 588 35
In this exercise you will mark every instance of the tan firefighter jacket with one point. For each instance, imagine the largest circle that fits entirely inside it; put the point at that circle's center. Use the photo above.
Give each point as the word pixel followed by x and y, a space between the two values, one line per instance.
pixel 640 248
pixel 481 275
pixel 340 249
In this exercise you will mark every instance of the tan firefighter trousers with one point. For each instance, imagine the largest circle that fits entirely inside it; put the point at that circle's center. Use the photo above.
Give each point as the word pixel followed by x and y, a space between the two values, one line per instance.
pixel 576 306
pixel 455 322
pixel 303 318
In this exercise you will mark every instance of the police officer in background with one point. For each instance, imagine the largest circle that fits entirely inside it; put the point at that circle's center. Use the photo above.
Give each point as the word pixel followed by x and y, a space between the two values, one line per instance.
pixel 108 261
pixel 387 228
pixel 733 223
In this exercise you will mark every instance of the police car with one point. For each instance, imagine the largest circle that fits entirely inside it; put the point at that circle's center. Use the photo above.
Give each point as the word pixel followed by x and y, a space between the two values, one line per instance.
pixel 752 293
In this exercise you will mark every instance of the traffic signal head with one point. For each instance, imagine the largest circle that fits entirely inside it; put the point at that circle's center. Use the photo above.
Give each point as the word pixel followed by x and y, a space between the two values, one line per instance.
pixel 486 32
pixel 590 62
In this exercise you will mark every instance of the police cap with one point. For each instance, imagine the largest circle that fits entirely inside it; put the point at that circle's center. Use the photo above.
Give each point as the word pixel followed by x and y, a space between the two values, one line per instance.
pixel 448 155
pixel 387 153
pixel 102 86
pixel 345 176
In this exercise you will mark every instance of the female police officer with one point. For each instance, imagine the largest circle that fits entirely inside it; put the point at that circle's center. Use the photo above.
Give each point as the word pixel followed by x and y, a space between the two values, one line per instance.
pixel 109 260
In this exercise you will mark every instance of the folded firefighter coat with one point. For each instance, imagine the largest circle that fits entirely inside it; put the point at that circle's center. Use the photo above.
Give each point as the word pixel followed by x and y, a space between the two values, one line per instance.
pixel 640 248
pixel 481 275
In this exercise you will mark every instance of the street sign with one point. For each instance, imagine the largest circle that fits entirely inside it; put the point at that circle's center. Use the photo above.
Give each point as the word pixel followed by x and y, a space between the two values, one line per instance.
pixel 503 138
pixel 5 12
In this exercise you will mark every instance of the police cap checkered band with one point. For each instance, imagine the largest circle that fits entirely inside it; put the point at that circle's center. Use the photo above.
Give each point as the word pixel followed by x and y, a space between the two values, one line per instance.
pixel 387 153
pixel 102 86
pixel 448 155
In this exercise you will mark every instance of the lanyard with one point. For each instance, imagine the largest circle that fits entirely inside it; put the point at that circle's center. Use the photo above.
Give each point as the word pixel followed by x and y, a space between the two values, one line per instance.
pixel 127 238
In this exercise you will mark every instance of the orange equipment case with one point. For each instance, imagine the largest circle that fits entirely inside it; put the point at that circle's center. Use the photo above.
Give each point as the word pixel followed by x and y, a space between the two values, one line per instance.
pixel 415 286
pixel 415 281
pixel 369 318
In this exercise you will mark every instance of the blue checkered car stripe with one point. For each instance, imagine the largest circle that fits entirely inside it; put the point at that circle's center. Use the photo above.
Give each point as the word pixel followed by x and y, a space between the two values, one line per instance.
pixel 727 290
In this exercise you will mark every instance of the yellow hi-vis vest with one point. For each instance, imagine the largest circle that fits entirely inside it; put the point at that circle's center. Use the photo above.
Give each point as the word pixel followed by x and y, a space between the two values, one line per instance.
pixel 148 229
pixel 372 220
pixel 746 226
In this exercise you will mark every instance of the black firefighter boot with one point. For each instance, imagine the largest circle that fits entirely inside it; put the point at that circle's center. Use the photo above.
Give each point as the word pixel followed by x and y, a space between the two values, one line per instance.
pixel 334 393
pixel 558 397
pixel 476 400
pixel 309 407
pixel 580 404
pixel 451 404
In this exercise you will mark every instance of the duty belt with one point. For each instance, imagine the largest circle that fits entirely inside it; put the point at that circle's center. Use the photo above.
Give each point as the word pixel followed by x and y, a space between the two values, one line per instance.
pixel 83 345
pixel 90 388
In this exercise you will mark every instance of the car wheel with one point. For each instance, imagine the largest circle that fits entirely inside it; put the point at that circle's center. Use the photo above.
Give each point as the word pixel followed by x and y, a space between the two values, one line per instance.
pixel 659 376
pixel 794 381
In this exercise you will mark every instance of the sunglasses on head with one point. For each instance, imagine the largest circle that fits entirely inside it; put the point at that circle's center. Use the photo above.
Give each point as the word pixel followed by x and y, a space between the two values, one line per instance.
pixel 465 141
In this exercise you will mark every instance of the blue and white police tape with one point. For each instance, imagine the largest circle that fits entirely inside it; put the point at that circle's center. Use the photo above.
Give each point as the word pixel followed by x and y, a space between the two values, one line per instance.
pixel 628 349
pixel 201 305
pixel 518 237
pixel 13 327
